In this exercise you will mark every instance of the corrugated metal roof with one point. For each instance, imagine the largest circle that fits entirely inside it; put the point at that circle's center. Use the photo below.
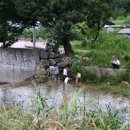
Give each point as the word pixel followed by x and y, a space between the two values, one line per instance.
pixel 125 31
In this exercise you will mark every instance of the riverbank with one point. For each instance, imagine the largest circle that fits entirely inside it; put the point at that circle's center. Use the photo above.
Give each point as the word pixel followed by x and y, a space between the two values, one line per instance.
pixel 106 87
pixel 66 118
pixel 48 106
pixel 97 86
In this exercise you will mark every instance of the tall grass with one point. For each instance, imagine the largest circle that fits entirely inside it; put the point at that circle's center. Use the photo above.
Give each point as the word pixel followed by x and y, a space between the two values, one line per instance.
pixel 72 115
pixel 123 20
pixel 109 45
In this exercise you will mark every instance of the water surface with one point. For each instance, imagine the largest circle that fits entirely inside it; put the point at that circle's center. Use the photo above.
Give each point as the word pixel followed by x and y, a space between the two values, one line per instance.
pixel 54 94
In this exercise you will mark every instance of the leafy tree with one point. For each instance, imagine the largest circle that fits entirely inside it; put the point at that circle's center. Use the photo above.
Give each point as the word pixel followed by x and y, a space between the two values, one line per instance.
pixel 62 15
pixel 7 18
pixel 119 7
pixel 98 15
pixel 28 10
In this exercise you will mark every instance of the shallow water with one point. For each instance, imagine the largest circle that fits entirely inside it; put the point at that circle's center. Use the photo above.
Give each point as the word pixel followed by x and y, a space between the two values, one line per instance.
pixel 54 94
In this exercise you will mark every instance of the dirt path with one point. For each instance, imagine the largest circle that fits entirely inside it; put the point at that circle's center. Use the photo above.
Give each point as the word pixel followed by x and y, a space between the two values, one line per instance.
pixel 24 44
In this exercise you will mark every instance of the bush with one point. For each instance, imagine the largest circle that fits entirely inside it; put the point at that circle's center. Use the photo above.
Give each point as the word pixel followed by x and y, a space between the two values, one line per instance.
pixel 85 76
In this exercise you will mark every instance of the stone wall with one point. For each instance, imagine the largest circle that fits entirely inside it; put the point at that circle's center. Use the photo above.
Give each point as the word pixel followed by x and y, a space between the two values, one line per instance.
pixel 100 71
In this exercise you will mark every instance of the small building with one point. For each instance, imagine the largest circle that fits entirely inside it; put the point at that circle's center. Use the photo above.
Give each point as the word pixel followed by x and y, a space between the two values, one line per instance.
pixel 125 31
pixel 111 28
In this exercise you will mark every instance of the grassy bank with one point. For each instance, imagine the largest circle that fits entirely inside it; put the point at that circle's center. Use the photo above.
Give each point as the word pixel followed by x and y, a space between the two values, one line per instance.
pixel 117 85
pixel 109 45
pixel 108 88
pixel 123 21
pixel 70 116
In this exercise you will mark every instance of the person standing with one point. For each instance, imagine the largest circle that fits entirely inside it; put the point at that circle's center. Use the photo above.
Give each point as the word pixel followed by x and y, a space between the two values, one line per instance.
pixel 78 79
pixel 51 69
pixel 56 72
pixel 65 73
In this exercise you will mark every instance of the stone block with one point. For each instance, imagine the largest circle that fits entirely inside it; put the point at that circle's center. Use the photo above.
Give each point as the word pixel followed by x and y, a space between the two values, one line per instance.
pixel 63 64
pixel 43 54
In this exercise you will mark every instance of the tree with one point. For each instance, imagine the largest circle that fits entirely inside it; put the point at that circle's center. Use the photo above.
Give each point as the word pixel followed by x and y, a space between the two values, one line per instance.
pixel 9 28
pixel 119 7
pixel 29 11
pixel 62 15
pixel 98 15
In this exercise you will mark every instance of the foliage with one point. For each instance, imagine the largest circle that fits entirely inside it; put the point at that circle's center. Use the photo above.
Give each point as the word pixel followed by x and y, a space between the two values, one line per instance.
pixel 9 30
pixel 78 67
pixel 123 20
pixel 28 11
pixel 41 32
pixel 109 45
pixel 72 115
pixel 120 5
pixel 71 13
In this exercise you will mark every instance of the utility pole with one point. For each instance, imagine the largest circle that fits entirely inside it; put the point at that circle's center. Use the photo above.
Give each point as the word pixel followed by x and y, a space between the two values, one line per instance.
pixel 34 36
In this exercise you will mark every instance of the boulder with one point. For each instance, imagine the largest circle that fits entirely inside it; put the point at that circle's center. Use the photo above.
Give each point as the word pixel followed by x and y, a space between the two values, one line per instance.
pixel 51 55
pixel 67 59
pixel 43 54
pixel 85 59
pixel 63 64
pixel 41 72
pixel 125 84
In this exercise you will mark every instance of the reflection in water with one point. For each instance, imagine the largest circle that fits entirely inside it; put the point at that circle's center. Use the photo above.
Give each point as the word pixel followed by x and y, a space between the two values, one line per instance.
pixel 55 96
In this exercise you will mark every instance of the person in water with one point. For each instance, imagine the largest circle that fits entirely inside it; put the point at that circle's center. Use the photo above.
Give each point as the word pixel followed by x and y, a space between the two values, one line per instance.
pixel 78 79
pixel 66 80
pixel 65 73
pixel 56 72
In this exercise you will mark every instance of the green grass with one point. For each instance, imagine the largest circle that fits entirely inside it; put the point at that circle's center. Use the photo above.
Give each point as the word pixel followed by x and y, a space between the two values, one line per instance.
pixel 72 115
pixel 122 21
pixel 107 87
pixel 109 45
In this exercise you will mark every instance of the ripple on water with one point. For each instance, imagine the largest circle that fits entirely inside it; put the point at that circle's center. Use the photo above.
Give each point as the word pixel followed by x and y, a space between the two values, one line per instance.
pixel 55 94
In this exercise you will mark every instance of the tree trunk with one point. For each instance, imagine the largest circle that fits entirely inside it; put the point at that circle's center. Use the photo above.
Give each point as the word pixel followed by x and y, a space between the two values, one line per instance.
pixel 68 49
pixel 97 34
pixel 96 37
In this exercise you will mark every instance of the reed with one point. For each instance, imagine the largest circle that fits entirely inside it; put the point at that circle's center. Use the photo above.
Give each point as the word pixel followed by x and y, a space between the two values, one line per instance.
pixel 72 115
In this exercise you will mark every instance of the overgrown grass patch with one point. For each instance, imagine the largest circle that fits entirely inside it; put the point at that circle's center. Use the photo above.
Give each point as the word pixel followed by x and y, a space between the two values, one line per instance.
pixel 109 45
pixel 123 21
pixel 115 89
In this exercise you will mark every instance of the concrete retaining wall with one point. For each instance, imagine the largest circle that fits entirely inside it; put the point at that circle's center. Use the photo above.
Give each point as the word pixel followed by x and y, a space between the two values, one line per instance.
pixel 100 72
pixel 17 65
pixel 26 59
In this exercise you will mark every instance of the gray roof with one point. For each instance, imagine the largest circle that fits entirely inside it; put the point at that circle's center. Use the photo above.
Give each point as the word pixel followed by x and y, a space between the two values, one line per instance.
pixel 125 31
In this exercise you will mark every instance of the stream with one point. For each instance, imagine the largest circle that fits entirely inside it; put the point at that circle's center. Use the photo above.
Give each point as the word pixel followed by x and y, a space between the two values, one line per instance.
pixel 54 96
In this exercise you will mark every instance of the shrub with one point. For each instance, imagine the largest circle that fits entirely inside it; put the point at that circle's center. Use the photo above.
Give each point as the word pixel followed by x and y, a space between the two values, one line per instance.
pixel 78 67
